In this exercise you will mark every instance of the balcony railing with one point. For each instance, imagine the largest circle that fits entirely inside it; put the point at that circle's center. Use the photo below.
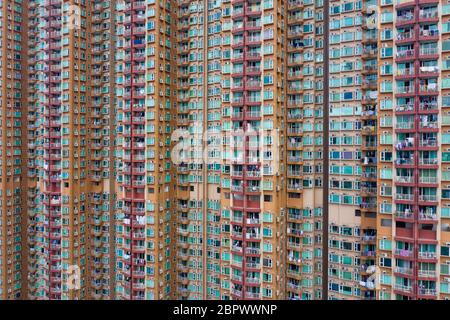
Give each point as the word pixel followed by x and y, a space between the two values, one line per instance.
pixel 403 270
pixel 253 295
pixel 404 125
pixel 428 216
pixel 427 255
pixel 403 288
pixel 432 87
pixel 405 35
pixel 405 72
pixel 428 143
pixel 403 90
pixel 428 51
pixel 429 125
pixel 428 179
pixel 429 33
pixel 404 253
pixel 427 292
pixel 403 161
pixel 236 292
pixel 252 236
pixel 404 214
pixel 427 273
pixel 404 196
pixel 252 250
pixel 431 14
pixel 405 17
pixel 253 265
pixel 428 161
pixel 405 53
pixel 405 179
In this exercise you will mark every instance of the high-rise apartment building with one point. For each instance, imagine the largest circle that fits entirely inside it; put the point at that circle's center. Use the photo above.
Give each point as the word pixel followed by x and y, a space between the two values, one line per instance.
pixel 13 158
pixel 412 225
pixel 234 149
pixel 145 102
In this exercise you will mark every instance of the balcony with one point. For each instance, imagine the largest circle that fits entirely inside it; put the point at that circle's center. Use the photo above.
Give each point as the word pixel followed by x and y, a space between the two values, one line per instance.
pixel 403 288
pixel 237 173
pixel 294 173
pixel 428 143
pixel 251 250
pixel 428 180
pixel 236 249
pixel 404 214
pixel 236 234
pixel 295 232
pixel 429 51
pixel 253 265
pixel 253 188
pixel 293 272
pixel 427 292
pixel 429 70
pixel 428 216
pixel 428 125
pixel 405 72
pixel 367 205
pixel 405 54
pixel 368 190
pixel 404 196
pixel 369 52
pixel 428 255
pixel 369 69
pixel 405 179
pixel 428 161
pixel 254 236
pixel 402 270
pixel 252 281
pixel 368 253
pixel 294 187
pixel 295 18
pixel 427 273
pixel 295 4
pixel 426 35
pixel 236 292
pixel 404 253
pixel 405 90
pixel 368 238
pixel 428 198
pixel 252 295
pixel 405 18
pixel 404 125
pixel 253 10
pixel 236 188
pixel 405 36
pixel 428 14
pixel 402 162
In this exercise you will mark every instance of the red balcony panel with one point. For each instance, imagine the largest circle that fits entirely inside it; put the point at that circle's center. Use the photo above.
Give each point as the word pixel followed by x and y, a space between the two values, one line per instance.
pixel 406 4
pixel 253 204
pixel 404 233
pixel 427 234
